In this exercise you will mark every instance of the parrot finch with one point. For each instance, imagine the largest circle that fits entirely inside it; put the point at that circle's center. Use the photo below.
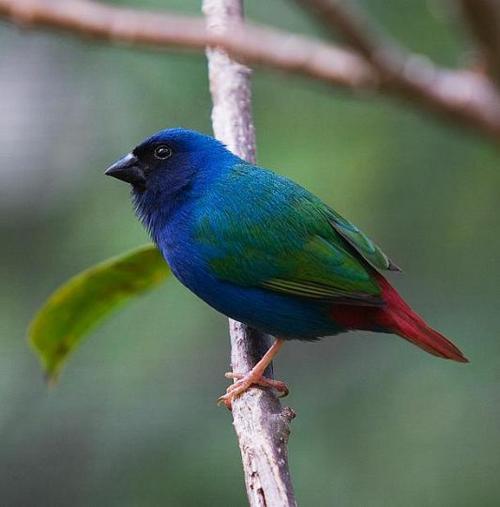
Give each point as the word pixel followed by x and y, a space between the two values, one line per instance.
pixel 262 250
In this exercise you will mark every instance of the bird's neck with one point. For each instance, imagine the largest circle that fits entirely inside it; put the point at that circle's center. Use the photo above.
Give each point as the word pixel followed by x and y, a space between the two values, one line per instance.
pixel 156 210
pixel 167 211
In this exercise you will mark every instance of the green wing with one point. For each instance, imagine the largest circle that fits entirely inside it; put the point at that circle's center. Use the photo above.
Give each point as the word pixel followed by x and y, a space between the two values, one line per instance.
pixel 361 243
pixel 266 231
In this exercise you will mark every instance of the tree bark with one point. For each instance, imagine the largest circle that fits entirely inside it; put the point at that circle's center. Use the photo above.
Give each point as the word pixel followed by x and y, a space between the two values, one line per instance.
pixel 261 424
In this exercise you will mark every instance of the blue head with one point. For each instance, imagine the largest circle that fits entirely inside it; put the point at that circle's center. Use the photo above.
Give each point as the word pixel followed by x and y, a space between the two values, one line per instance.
pixel 168 169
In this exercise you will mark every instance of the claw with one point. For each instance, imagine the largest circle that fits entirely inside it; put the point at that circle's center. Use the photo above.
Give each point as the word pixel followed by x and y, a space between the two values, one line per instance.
pixel 244 382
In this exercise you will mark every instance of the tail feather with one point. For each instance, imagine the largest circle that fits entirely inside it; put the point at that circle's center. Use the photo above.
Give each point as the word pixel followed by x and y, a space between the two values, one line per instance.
pixel 402 320
pixel 396 317
pixel 412 328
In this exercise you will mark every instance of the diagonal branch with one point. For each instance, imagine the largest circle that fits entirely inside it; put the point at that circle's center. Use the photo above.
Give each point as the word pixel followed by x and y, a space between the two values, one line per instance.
pixel 261 424
pixel 483 17
pixel 463 96
pixel 458 94
pixel 339 17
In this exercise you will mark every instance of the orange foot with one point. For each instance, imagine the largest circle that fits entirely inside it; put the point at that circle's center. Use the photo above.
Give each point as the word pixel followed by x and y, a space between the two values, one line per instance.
pixel 244 382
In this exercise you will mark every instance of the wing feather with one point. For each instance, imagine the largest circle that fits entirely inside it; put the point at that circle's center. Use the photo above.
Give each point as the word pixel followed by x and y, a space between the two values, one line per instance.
pixel 361 243
pixel 280 237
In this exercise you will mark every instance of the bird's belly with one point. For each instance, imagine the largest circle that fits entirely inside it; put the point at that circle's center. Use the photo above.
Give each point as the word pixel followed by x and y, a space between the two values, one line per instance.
pixel 280 315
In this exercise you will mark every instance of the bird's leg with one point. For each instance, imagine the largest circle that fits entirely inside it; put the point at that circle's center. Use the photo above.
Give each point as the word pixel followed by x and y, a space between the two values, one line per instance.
pixel 254 377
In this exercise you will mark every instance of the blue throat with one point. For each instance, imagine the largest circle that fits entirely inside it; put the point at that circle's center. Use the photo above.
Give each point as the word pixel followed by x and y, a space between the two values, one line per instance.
pixel 175 195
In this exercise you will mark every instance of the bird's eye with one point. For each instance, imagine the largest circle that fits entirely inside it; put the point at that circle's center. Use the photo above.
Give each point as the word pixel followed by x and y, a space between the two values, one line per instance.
pixel 162 152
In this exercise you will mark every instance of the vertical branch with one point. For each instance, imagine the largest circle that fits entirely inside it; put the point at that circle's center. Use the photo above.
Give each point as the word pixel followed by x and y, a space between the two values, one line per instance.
pixel 229 83
pixel 261 424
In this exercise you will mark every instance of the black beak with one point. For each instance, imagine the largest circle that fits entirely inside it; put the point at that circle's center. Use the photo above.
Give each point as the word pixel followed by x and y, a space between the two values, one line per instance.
pixel 128 169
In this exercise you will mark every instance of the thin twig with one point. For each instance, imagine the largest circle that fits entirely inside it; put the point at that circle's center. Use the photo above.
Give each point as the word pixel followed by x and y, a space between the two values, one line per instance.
pixel 262 426
pixel 466 97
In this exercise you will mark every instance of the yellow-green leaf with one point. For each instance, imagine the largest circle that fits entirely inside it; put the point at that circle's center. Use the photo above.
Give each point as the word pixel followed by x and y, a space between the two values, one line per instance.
pixel 82 302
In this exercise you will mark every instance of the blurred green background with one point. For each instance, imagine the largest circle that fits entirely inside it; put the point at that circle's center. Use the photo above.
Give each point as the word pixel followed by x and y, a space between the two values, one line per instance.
pixel 133 421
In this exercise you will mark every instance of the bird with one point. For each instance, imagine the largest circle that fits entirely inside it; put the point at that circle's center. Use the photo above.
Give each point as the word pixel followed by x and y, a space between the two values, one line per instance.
pixel 262 250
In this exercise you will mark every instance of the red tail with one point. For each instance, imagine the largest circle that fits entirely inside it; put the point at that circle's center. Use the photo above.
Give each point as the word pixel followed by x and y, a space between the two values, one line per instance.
pixel 397 317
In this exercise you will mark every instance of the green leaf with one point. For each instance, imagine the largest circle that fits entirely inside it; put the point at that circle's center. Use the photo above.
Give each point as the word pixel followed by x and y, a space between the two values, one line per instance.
pixel 83 301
